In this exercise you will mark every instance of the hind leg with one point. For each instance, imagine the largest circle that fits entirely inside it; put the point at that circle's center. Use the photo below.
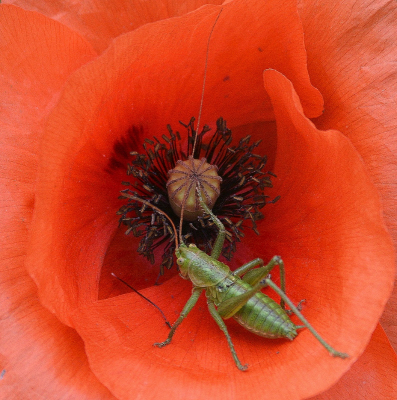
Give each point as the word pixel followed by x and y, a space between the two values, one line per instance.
pixel 254 276
pixel 306 323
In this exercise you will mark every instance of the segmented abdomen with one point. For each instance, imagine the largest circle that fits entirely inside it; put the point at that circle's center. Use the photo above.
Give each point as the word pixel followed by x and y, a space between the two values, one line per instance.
pixel 263 316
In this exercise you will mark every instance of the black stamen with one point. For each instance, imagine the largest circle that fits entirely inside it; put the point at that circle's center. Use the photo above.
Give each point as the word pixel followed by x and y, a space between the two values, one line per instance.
pixel 241 192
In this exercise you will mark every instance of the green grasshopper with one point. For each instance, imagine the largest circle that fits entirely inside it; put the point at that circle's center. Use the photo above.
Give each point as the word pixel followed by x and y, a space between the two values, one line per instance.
pixel 236 294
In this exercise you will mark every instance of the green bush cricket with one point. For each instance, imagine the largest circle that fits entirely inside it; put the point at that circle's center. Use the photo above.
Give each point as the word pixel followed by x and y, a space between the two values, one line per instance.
pixel 236 294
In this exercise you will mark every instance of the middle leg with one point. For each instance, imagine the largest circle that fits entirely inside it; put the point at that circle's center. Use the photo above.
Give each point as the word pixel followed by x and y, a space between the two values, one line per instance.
pixel 254 276
pixel 222 326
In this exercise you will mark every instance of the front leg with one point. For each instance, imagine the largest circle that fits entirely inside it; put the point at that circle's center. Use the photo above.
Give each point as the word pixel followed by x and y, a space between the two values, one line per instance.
pixel 188 307
pixel 222 326
pixel 220 239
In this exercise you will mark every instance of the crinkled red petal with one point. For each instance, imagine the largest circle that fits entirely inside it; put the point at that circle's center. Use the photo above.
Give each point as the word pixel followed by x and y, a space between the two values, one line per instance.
pixel 352 60
pixel 99 22
pixel 40 356
pixel 331 237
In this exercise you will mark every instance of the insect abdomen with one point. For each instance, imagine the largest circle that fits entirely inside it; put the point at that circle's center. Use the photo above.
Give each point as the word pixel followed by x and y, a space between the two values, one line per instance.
pixel 264 317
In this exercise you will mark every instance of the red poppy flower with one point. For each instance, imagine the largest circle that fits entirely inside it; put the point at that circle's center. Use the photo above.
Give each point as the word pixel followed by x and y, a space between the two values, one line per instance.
pixel 70 332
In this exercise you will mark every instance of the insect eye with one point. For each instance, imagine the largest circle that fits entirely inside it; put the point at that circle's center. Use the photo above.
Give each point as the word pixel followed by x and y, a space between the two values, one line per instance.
pixel 192 245
pixel 179 261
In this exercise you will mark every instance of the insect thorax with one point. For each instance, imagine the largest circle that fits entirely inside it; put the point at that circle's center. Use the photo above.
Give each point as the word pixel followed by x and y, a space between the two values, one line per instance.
pixel 203 270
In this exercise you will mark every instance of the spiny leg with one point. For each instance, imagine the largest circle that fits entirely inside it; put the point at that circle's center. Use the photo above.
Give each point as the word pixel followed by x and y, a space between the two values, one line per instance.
pixel 253 276
pixel 222 326
pixel 248 266
pixel 304 320
pixel 220 239
pixel 188 307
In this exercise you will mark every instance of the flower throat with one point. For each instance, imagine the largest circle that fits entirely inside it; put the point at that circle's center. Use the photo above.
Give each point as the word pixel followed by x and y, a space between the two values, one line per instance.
pixel 231 180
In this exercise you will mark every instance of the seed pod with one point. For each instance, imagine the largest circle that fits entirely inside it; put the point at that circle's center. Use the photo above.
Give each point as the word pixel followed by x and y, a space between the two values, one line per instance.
pixel 183 181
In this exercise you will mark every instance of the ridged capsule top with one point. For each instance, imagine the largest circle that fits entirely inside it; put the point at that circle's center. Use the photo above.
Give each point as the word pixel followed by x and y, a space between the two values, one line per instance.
pixel 183 181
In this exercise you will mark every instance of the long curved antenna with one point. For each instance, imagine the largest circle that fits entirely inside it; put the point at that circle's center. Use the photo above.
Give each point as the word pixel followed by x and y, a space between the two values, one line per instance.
pixel 182 210
pixel 181 223
pixel 129 196
pixel 140 294
pixel 205 78
pixel 198 122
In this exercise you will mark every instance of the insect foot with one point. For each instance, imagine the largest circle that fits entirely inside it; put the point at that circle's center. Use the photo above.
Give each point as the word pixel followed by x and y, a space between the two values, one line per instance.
pixel 299 306
pixel 242 367
pixel 162 344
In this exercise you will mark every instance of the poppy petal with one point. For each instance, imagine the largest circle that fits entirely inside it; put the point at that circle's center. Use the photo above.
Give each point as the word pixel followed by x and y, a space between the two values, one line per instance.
pixel 388 319
pixel 373 376
pixel 77 198
pixel 32 338
pixel 335 193
pixel 31 83
pixel 99 22
pixel 352 60
pixel 40 357
pixel 315 188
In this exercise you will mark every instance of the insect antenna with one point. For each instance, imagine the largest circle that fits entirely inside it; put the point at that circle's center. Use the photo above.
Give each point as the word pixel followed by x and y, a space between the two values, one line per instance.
pixel 198 125
pixel 136 198
pixel 204 80
pixel 182 210
pixel 181 220
pixel 140 294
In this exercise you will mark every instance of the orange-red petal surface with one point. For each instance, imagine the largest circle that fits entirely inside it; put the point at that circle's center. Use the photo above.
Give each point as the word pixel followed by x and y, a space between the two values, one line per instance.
pixel 40 357
pixel 360 96
pixel 352 60
pixel 100 21
pixel 327 225
pixel 373 376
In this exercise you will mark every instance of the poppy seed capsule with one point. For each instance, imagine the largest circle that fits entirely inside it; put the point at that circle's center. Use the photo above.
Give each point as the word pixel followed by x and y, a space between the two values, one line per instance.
pixel 182 183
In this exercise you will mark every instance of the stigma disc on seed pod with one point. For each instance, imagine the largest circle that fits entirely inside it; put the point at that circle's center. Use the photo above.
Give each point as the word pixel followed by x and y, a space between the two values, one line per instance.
pixel 183 181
